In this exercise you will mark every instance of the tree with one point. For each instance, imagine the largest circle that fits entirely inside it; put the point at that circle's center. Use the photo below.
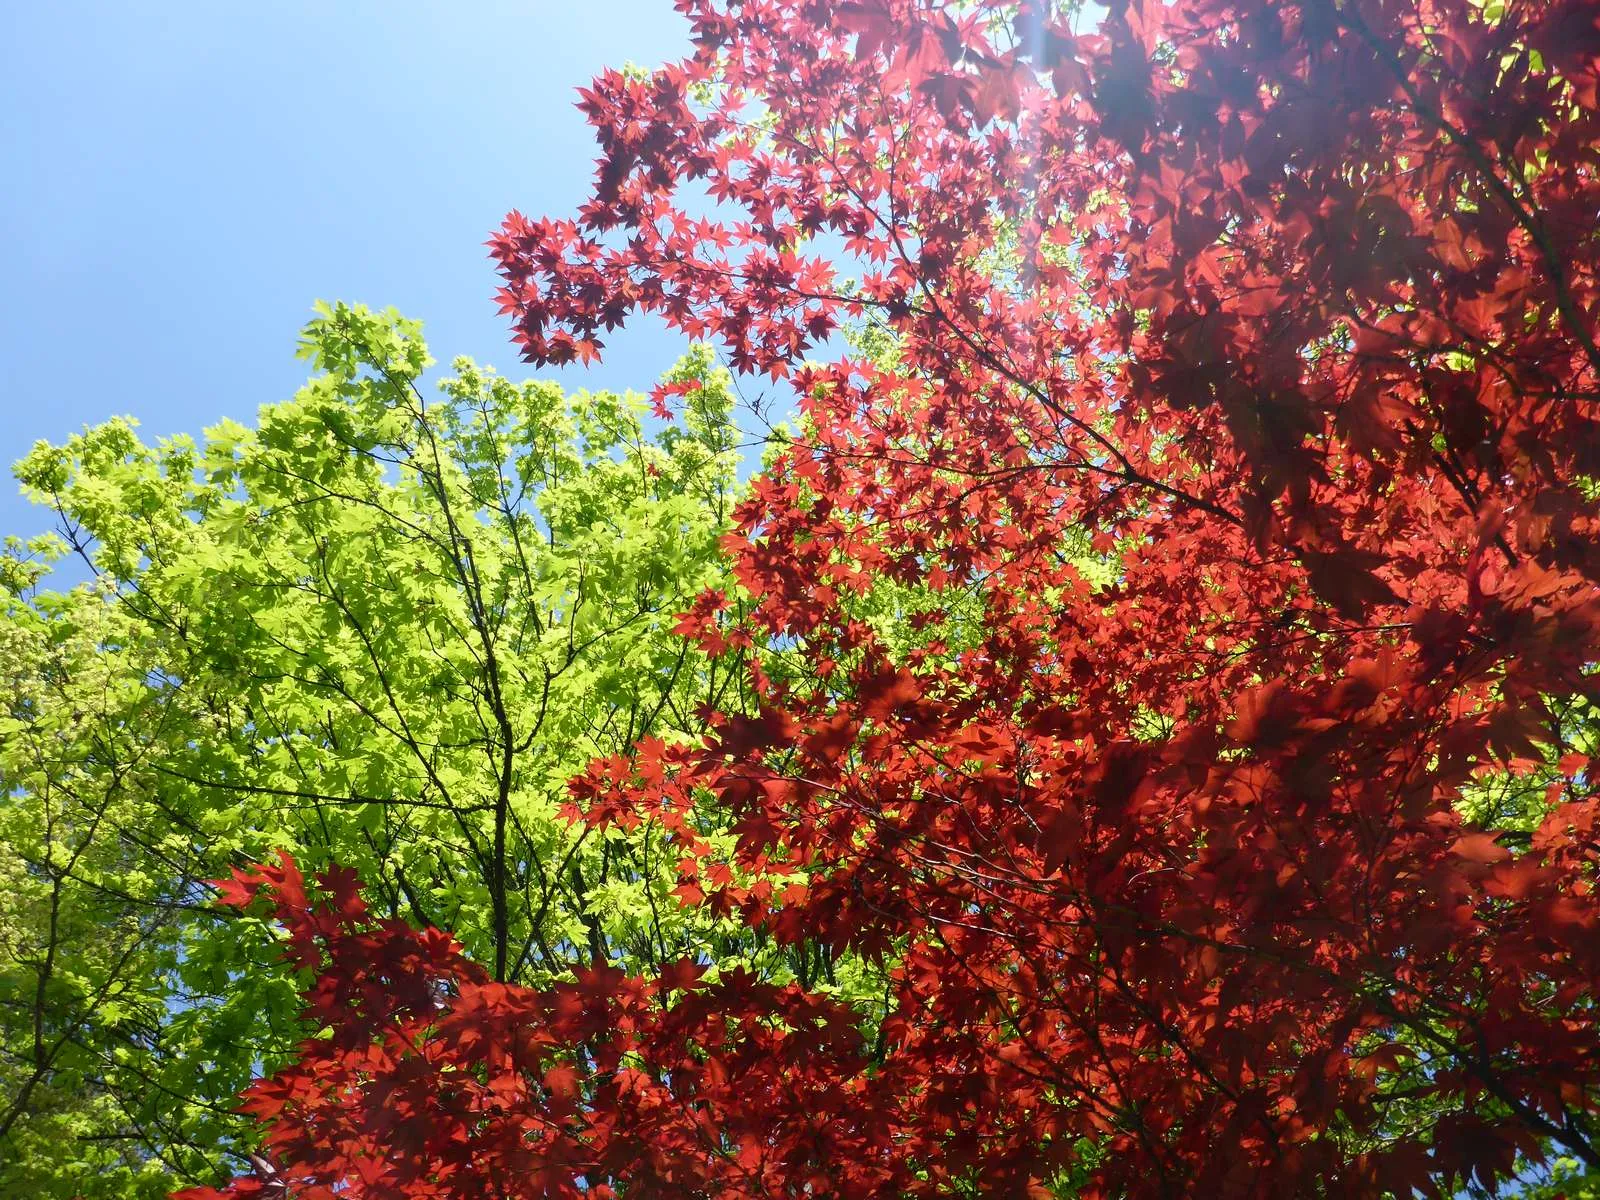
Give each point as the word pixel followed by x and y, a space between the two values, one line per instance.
pixel 87 915
pixel 1263 866
pixel 378 629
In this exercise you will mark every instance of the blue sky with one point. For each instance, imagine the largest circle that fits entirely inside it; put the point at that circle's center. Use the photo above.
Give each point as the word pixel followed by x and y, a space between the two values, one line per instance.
pixel 184 179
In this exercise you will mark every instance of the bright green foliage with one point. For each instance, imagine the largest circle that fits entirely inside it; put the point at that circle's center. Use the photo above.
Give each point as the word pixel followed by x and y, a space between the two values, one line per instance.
pixel 1560 1179
pixel 378 629
pixel 92 894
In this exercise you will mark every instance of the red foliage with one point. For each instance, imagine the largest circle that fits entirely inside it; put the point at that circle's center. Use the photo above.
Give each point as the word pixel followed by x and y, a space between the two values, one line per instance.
pixel 438 1081
pixel 1294 305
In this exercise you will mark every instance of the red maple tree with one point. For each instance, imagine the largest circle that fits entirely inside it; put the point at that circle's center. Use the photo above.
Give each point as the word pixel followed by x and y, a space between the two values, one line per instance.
pixel 1285 313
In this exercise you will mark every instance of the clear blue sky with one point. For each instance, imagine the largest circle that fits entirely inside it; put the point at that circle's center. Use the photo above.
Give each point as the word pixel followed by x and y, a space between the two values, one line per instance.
pixel 182 180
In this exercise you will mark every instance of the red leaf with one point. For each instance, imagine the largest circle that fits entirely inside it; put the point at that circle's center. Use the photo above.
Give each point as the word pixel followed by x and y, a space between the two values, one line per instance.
pixel 1480 848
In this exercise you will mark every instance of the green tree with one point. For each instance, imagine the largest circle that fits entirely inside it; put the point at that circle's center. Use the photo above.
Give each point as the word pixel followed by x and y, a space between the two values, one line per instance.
pixel 91 903
pixel 378 629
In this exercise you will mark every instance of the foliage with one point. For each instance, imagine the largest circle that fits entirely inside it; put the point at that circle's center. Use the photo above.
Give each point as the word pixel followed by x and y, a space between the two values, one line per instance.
pixel 88 917
pixel 1183 879
pixel 377 629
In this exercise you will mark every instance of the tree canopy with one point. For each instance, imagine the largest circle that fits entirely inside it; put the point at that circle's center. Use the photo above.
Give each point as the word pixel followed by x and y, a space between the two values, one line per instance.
pixel 1157 752
pixel 378 629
